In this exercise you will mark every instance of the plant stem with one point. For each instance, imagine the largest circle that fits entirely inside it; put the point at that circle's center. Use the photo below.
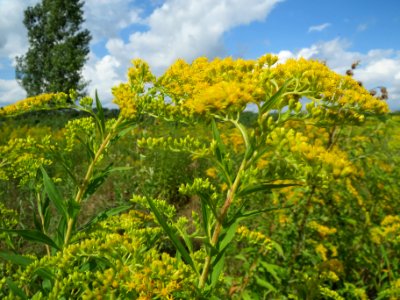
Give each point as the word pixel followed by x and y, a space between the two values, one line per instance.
pixel 88 176
pixel 218 226
pixel 42 220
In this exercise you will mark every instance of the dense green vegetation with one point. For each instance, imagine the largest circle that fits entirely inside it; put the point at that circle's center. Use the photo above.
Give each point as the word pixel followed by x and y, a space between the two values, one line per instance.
pixel 184 195
pixel 58 48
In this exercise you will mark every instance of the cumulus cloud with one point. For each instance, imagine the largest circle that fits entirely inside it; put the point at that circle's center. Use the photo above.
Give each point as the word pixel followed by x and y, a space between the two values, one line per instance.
pixel 378 67
pixel 13 39
pixel 10 92
pixel 102 72
pixel 183 28
pixel 178 29
pixel 319 28
pixel 105 18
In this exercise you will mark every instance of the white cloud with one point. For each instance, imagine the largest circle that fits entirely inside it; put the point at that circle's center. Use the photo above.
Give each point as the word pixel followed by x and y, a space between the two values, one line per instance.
pixel 105 18
pixel 187 29
pixel 10 92
pixel 378 67
pixel 180 29
pixel 319 28
pixel 103 75
pixel 13 39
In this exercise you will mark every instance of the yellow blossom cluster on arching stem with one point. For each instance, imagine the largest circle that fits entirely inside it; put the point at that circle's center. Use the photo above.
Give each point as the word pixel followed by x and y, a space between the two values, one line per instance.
pixel 226 86
pixel 319 83
pixel 40 102
pixel 219 86
pixel 127 95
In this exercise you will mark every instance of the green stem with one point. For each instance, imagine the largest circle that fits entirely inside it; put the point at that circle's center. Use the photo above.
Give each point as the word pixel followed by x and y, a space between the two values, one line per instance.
pixel 218 227
pixel 88 176
pixel 39 204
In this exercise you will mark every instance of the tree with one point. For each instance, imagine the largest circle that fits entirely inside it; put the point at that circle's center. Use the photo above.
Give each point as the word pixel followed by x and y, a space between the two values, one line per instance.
pixel 58 48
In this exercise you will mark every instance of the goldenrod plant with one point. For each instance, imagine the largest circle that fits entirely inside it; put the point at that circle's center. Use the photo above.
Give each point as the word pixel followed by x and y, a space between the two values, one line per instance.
pixel 288 204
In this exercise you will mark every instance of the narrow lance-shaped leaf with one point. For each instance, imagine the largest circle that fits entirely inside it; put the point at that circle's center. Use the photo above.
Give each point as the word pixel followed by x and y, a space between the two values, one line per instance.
pixel 271 102
pixel 105 214
pixel 220 150
pixel 15 289
pixel 33 236
pixel 16 259
pixel 263 187
pixel 174 239
pixel 248 144
pixel 220 153
pixel 100 115
pixel 53 193
pixel 217 267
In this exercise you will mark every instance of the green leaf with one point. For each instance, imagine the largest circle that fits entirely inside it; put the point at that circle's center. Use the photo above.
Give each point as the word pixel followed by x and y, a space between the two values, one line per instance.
pixel 53 193
pixel 255 212
pixel 125 128
pixel 105 214
pixel 228 236
pixel 61 231
pixel 100 114
pixel 265 284
pixel 247 142
pixel 16 259
pixel 15 289
pixel 45 273
pixel 278 248
pixel 204 214
pixel 34 236
pixel 272 269
pixel 88 146
pixel 247 296
pixel 263 187
pixel 271 102
pixel 174 239
pixel 73 208
pixel 97 180
pixel 220 151
pixel 217 267
pixel 185 238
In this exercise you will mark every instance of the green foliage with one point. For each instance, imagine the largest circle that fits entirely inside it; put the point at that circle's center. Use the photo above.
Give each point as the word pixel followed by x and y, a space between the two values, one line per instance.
pixel 58 48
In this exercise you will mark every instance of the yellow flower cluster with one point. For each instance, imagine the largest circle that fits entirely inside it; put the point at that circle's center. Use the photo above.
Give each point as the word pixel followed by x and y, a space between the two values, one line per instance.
pixel 322 230
pixel 226 86
pixel 22 157
pixel 113 261
pixel 389 230
pixel 125 98
pixel 8 219
pixel 76 128
pixel 320 83
pixel 221 85
pixel 44 101
pixel 235 139
pixel 127 95
pixel 334 160
pixel 255 238
pixel 322 251
pixel 329 294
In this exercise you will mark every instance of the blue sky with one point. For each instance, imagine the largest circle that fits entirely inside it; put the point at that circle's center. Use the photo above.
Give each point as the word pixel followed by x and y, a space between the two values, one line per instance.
pixel 160 31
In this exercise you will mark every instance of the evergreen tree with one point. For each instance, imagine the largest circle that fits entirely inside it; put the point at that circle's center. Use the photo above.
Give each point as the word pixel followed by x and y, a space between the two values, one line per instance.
pixel 58 48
